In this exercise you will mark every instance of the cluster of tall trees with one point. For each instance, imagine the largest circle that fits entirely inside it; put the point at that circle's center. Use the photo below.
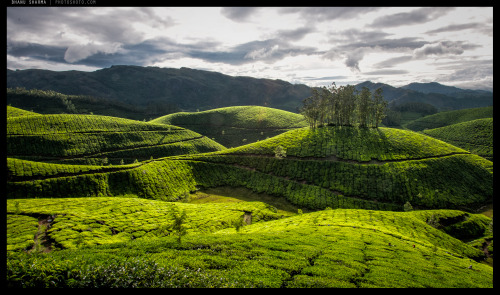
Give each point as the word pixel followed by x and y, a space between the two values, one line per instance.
pixel 344 106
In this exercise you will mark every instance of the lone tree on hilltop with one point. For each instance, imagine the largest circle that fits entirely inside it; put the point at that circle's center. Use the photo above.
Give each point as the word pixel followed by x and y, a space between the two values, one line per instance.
pixel 344 106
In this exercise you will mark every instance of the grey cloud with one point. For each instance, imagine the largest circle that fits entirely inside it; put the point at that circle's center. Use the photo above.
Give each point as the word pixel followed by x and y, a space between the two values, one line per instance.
pixel 36 51
pixel 443 47
pixel 351 35
pixel 472 76
pixel 453 28
pixel 387 72
pixel 353 59
pixel 478 27
pixel 387 44
pixel 295 35
pixel 313 14
pixel 329 78
pixel 355 51
pixel 238 14
pixel 267 50
pixel 388 63
pixel 108 32
pixel 417 16
pixel 158 49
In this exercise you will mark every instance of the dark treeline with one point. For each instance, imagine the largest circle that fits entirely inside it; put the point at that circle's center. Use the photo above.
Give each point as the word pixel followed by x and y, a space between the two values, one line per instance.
pixel 344 106
pixel 52 102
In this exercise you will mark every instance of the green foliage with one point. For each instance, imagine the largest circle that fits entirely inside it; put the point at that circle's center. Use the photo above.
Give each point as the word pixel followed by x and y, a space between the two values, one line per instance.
pixel 407 207
pixel 121 272
pixel 178 227
pixel 280 152
pixel 344 106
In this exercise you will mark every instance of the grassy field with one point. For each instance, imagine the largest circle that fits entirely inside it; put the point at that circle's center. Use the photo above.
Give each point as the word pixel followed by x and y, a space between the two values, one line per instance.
pixel 236 126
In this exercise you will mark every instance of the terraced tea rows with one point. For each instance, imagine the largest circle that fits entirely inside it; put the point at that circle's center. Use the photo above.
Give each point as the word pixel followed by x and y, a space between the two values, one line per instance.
pixel 90 139
pixel 475 136
pixel 442 119
pixel 431 174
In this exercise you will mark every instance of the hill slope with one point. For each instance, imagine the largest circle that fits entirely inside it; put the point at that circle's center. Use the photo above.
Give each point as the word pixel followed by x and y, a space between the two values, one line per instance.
pixel 235 126
pixel 434 87
pixel 17 112
pixel 333 167
pixel 91 138
pixel 450 117
pixel 475 136
pixel 330 248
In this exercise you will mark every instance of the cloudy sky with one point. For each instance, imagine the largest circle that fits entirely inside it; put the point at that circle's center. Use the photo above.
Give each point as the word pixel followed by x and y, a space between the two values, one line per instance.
pixel 309 45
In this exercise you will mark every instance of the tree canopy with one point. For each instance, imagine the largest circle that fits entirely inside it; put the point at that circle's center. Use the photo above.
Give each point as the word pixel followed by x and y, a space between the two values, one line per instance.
pixel 344 106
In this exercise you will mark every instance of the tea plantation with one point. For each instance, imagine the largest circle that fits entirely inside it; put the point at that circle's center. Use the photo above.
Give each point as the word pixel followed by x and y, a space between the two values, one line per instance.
pixel 98 140
pixel 384 207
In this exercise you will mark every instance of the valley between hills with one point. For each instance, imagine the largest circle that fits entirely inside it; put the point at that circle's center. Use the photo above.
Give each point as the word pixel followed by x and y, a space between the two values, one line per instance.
pixel 248 196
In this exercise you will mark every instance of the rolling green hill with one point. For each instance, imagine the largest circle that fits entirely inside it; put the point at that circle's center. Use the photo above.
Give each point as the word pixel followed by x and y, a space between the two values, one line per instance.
pixel 475 136
pixel 128 242
pixel 442 119
pixel 94 139
pixel 236 126
pixel 335 167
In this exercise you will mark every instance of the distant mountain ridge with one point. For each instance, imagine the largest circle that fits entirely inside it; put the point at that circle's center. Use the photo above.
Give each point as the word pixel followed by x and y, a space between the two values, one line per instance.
pixel 434 87
pixel 443 97
pixel 191 90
